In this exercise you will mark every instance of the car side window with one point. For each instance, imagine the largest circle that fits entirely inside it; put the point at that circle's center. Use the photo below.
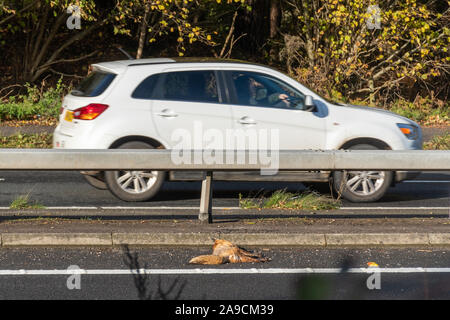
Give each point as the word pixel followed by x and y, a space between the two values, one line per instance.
pixel 257 89
pixel 193 86
pixel 145 89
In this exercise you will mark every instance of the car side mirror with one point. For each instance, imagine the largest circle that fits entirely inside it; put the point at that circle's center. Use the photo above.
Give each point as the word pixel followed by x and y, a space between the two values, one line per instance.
pixel 309 104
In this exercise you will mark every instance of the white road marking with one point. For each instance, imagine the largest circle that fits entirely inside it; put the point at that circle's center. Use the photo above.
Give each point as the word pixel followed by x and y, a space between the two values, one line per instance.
pixel 72 208
pixel 165 208
pixel 426 181
pixel 197 271
pixel 395 208
pixel 222 208
pixel 59 208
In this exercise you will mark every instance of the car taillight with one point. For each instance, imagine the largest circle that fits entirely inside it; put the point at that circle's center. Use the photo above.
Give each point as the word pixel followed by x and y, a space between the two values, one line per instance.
pixel 89 112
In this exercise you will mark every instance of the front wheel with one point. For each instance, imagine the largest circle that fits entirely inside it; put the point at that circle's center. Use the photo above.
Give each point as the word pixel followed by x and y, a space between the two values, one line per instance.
pixel 362 186
pixel 134 185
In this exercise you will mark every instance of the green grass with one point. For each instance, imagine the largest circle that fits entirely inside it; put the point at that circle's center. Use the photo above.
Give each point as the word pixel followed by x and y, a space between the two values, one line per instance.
pixel 281 199
pixel 423 111
pixel 24 202
pixel 38 140
pixel 440 142
pixel 34 104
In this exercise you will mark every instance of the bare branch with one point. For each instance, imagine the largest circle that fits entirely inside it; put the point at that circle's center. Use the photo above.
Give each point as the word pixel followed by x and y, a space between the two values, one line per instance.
pixel 233 42
pixel 64 74
pixel 20 11
pixel 68 60
pixel 50 37
pixel 230 33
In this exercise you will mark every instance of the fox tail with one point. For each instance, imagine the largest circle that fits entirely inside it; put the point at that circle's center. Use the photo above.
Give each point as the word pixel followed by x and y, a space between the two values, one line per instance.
pixel 208 259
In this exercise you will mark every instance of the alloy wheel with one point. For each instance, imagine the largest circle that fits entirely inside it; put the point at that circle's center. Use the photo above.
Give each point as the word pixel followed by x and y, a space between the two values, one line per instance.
pixel 136 181
pixel 364 183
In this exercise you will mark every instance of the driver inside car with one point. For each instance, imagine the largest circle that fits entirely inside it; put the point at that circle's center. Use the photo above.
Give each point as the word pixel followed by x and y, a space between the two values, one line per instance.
pixel 252 92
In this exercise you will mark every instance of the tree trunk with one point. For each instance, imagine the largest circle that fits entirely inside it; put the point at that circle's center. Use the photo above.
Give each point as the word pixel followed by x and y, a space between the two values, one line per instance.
pixel 255 24
pixel 275 18
pixel 142 33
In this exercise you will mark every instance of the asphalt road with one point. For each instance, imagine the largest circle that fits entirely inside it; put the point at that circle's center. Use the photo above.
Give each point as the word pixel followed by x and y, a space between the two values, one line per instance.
pixel 289 275
pixel 292 273
pixel 70 189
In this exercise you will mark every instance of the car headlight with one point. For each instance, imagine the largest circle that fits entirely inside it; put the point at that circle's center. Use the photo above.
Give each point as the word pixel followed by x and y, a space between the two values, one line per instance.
pixel 410 131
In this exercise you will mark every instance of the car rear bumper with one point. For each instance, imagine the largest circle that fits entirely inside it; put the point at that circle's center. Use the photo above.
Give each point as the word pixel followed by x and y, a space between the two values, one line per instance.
pixel 82 139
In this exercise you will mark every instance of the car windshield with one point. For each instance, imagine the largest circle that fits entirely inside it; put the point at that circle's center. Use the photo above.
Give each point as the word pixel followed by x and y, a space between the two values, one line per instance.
pixel 94 84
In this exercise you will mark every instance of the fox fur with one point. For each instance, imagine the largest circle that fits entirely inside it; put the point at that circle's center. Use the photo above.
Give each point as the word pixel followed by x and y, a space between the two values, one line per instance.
pixel 226 252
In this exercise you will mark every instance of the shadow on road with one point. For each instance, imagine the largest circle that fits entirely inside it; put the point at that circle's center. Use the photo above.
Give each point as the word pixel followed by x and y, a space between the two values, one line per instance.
pixel 143 281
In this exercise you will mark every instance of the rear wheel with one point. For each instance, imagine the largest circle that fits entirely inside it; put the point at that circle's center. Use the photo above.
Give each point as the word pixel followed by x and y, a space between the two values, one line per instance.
pixel 362 186
pixel 137 185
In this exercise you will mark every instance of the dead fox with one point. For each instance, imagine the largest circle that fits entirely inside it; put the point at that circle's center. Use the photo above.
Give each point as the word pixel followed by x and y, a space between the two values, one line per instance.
pixel 226 252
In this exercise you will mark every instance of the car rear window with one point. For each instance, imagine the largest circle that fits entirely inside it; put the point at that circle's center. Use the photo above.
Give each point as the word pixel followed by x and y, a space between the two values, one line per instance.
pixel 94 84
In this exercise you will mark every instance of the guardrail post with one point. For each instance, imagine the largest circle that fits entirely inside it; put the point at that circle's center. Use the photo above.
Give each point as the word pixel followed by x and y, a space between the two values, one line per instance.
pixel 206 199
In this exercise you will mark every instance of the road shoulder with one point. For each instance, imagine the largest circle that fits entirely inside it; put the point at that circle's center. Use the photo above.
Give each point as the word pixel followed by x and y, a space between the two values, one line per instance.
pixel 327 230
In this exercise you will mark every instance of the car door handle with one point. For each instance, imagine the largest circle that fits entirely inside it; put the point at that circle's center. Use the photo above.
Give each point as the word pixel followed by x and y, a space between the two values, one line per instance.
pixel 167 113
pixel 246 120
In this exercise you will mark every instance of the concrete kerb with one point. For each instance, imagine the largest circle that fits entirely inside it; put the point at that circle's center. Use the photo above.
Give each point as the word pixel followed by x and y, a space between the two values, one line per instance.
pixel 255 239
pixel 155 239
pixel 439 238
pixel 377 239
pixel 206 239
pixel 280 239
pixel 56 239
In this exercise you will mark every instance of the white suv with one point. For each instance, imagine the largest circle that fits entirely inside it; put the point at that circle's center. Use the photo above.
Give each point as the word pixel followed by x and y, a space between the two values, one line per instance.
pixel 136 104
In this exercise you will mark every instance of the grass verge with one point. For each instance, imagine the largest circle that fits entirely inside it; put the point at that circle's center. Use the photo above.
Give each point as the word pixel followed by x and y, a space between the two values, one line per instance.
pixel 439 142
pixel 424 111
pixel 281 199
pixel 24 202
pixel 34 104
pixel 38 140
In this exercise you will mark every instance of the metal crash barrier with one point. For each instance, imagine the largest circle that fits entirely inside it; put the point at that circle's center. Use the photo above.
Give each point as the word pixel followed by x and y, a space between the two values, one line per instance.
pixel 267 161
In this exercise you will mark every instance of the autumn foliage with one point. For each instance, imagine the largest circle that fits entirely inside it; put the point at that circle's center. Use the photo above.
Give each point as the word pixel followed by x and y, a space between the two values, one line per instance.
pixel 373 52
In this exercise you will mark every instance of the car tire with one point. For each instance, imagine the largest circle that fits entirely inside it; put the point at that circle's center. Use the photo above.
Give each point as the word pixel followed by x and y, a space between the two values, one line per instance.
pixel 134 186
pixel 362 186
pixel 97 181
